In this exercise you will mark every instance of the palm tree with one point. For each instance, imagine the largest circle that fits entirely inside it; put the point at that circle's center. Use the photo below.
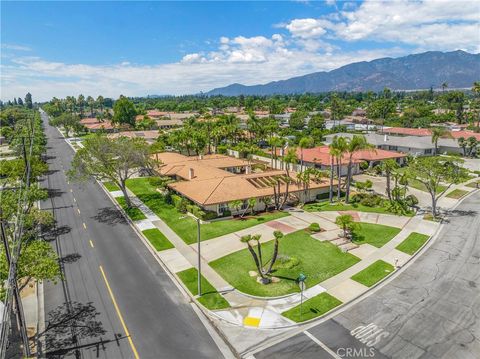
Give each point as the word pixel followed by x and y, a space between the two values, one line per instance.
pixel 476 92
pixel 91 103
pixel 236 204
pixel 305 142
pixel 388 166
pixel 100 101
pixel 438 132
pixel 472 144
pixel 357 143
pixel 444 86
pixel 277 235
pixel 256 255
pixel 338 149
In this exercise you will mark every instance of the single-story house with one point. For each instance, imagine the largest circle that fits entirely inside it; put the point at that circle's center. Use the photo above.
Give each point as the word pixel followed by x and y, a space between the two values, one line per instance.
pixel 413 145
pixel 456 133
pixel 93 124
pixel 214 181
pixel 319 157
pixel 150 136
pixel 169 123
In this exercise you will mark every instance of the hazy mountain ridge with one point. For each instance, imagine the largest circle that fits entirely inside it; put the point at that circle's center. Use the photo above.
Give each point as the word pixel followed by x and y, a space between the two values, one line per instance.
pixel 419 71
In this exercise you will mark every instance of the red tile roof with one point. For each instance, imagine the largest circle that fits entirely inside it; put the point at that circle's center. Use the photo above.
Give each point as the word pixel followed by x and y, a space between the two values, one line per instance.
pixel 377 155
pixel 321 155
pixel 408 131
pixel 465 134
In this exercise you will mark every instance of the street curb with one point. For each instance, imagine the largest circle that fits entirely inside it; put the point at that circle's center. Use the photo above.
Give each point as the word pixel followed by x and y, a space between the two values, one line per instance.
pixel 208 315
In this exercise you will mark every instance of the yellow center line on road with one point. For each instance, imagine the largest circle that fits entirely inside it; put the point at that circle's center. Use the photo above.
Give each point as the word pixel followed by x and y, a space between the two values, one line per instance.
pixel 91 244
pixel 135 353
pixel 71 190
pixel 78 210
pixel 84 225
pixel 74 200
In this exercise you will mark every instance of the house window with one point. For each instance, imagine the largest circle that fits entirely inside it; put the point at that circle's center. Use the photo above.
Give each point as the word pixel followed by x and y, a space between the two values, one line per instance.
pixel 223 207
pixel 428 151
pixel 244 205
pixel 393 148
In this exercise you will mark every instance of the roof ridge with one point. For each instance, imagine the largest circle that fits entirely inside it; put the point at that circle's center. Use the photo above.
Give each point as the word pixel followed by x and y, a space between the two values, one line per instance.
pixel 213 190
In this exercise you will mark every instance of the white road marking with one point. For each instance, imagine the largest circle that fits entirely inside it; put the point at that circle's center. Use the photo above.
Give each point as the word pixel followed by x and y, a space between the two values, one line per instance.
pixel 327 349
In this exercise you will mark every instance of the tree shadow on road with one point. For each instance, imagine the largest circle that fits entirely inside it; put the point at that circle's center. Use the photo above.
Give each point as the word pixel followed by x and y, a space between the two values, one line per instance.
pixel 110 216
pixel 54 192
pixel 71 328
pixel 55 232
pixel 70 258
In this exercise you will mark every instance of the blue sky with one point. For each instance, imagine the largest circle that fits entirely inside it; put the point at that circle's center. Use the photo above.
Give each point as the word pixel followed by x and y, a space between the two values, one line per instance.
pixel 140 48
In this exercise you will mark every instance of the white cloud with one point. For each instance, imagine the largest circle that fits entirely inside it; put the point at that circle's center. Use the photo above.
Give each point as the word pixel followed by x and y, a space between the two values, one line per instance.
pixel 306 28
pixel 16 47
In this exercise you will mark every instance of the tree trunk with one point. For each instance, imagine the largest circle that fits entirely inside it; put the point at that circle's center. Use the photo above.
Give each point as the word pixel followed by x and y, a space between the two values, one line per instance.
pixel 389 193
pixel 434 206
pixel 330 195
pixel 255 259
pixel 123 187
pixel 339 191
pixel 274 256
pixel 301 161
pixel 260 257
pixel 349 179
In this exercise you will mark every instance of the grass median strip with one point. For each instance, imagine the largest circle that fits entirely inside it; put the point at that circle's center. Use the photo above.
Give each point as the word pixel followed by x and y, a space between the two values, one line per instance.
pixel 110 186
pixel 210 298
pixel 412 243
pixel 457 194
pixel 312 308
pixel 133 212
pixel 474 184
pixel 375 234
pixel 327 206
pixel 157 239
pixel 373 273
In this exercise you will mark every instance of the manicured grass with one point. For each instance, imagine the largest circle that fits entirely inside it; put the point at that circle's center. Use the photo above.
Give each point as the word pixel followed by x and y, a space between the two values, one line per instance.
pixel 326 206
pixel 317 260
pixel 110 186
pixel 185 226
pixel 375 234
pixel 420 186
pixel 134 213
pixel 210 298
pixel 373 273
pixel 457 193
pixel 312 308
pixel 157 239
pixel 412 243
pixel 473 184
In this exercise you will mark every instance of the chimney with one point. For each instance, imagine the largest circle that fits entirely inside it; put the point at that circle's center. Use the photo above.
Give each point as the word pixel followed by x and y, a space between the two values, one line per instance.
pixel 248 169
pixel 190 173
pixel 385 138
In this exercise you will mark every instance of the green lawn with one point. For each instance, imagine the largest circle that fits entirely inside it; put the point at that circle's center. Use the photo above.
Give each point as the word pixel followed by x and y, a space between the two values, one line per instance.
pixel 375 234
pixel 185 226
pixel 210 298
pixel 326 206
pixel 134 213
pixel 473 184
pixel 457 194
pixel 412 243
pixel 312 308
pixel 110 186
pixel 373 273
pixel 157 239
pixel 317 260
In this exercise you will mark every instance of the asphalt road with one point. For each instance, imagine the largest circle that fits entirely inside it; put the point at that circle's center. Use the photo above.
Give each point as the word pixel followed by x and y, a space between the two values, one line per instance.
pixel 90 318
pixel 431 310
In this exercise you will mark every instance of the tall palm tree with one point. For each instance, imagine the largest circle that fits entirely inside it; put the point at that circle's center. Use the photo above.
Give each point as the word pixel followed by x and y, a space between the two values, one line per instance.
pixel 357 143
pixel 338 148
pixel 444 86
pixel 437 133
pixel 305 142
pixel 388 166
pixel 100 100
pixel 476 92
pixel 463 144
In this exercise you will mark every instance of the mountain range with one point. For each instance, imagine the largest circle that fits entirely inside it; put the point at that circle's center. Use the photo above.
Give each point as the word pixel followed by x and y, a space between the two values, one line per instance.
pixel 459 69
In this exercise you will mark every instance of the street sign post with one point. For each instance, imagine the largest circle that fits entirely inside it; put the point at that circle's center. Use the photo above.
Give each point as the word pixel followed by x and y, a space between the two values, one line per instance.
pixel 301 284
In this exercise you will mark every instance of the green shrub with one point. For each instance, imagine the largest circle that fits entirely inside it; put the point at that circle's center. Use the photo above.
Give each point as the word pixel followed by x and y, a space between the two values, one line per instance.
pixel 181 205
pixel 209 215
pixel 227 213
pixel 371 200
pixel 222 149
pixel 363 165
pixel 314 227
pixel 175 199
pixel 156 181
pixel 411 200
pixel 286 262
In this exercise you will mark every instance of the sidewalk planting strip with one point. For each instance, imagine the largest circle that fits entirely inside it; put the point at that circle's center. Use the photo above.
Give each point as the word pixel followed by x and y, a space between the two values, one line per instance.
pixel 373 273
pixel 375 234
pixel 312 308
pixel 412 243
pixel 157 239
pixel 134 213
pixel 210 298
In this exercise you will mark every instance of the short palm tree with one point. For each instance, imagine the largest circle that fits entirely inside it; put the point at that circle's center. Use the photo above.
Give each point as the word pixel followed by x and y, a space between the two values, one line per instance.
pixel 305 142
pixel 357 143
pixel 437 133
pixel 345 221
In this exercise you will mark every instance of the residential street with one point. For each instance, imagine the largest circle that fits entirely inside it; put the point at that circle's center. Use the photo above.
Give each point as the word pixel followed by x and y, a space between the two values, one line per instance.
pixel 110 279
pixel 430 310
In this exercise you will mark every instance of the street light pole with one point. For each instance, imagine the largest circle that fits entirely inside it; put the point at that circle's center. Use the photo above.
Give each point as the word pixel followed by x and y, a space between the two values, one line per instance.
pixel 199 259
